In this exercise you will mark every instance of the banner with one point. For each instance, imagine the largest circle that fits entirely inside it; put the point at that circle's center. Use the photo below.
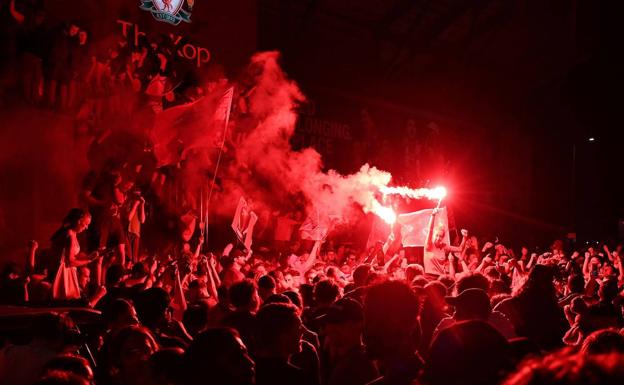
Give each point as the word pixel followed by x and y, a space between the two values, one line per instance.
pixel 414 226
pixel 317 226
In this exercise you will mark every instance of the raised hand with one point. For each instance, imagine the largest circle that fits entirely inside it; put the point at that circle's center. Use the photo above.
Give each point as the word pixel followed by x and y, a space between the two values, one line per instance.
pixel 100 292
pixel 213 261
pixel 228 249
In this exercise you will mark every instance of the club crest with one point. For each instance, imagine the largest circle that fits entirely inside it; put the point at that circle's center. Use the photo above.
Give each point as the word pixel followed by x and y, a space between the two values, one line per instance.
pixel 169 11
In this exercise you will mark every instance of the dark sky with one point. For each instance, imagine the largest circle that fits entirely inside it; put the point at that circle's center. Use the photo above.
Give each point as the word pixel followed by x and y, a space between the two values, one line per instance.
pixel 531 82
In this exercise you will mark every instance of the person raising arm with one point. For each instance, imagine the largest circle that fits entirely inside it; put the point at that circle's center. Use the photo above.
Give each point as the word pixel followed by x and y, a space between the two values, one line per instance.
pixel 435 260
pixel 303 266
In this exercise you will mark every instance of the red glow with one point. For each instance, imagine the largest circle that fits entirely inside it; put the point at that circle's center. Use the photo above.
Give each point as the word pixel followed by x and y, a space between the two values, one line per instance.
pixel 386 213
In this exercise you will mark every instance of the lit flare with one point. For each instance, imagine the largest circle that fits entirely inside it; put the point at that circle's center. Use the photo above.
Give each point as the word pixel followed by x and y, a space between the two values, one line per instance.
pixel 387 214
pixel 419 193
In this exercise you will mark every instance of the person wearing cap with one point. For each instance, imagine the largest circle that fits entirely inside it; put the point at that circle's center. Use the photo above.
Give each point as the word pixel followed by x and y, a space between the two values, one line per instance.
pixel 474 304
pixel 347 362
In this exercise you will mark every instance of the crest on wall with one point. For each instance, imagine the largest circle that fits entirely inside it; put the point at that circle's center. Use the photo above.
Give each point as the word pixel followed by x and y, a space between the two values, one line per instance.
pixel 169 11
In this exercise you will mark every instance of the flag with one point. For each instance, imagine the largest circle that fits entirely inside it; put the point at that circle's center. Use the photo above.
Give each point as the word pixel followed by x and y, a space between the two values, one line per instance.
pixel 311 229
pixel 243 222
pixel 220 119
pixel 253 218
pixel 241 218
pixel 222 112
pixel 199 124
pixel 188 223
pixel 414 226
pixel 317 225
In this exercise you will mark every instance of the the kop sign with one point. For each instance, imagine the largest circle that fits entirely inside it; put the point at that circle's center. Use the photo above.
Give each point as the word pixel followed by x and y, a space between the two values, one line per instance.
pixel 169 11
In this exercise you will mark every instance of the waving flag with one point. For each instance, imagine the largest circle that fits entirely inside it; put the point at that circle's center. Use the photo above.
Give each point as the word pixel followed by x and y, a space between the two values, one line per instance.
pixel 253 218
pixel 414 226
pixel 317 226
pixel 199 124
pixel 243 223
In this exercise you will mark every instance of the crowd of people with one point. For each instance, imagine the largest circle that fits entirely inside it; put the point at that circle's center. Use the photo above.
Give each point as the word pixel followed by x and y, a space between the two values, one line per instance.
pixel 63 68
pixel 175 310
pixel 484 315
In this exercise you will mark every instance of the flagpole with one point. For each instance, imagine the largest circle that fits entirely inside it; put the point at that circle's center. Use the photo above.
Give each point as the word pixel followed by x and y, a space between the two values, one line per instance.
pixel 206 228
pixel 214 176
pixel 201 204
pixel 439 202
pixel 201 211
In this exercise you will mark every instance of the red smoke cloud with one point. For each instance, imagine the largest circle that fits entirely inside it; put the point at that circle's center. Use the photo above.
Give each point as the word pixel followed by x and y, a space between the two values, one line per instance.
pixel 262 166
pixel 274 171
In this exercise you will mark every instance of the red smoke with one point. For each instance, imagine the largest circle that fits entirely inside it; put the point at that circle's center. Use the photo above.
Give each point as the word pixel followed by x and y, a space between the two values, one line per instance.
pixel 269 170
pixel 260 164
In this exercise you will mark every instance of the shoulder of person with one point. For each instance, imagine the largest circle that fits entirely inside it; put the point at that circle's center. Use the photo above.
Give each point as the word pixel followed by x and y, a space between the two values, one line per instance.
pixel 498 316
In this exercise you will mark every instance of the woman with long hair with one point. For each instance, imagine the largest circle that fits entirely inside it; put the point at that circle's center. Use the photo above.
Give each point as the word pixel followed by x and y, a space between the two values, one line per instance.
pixel 67 251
